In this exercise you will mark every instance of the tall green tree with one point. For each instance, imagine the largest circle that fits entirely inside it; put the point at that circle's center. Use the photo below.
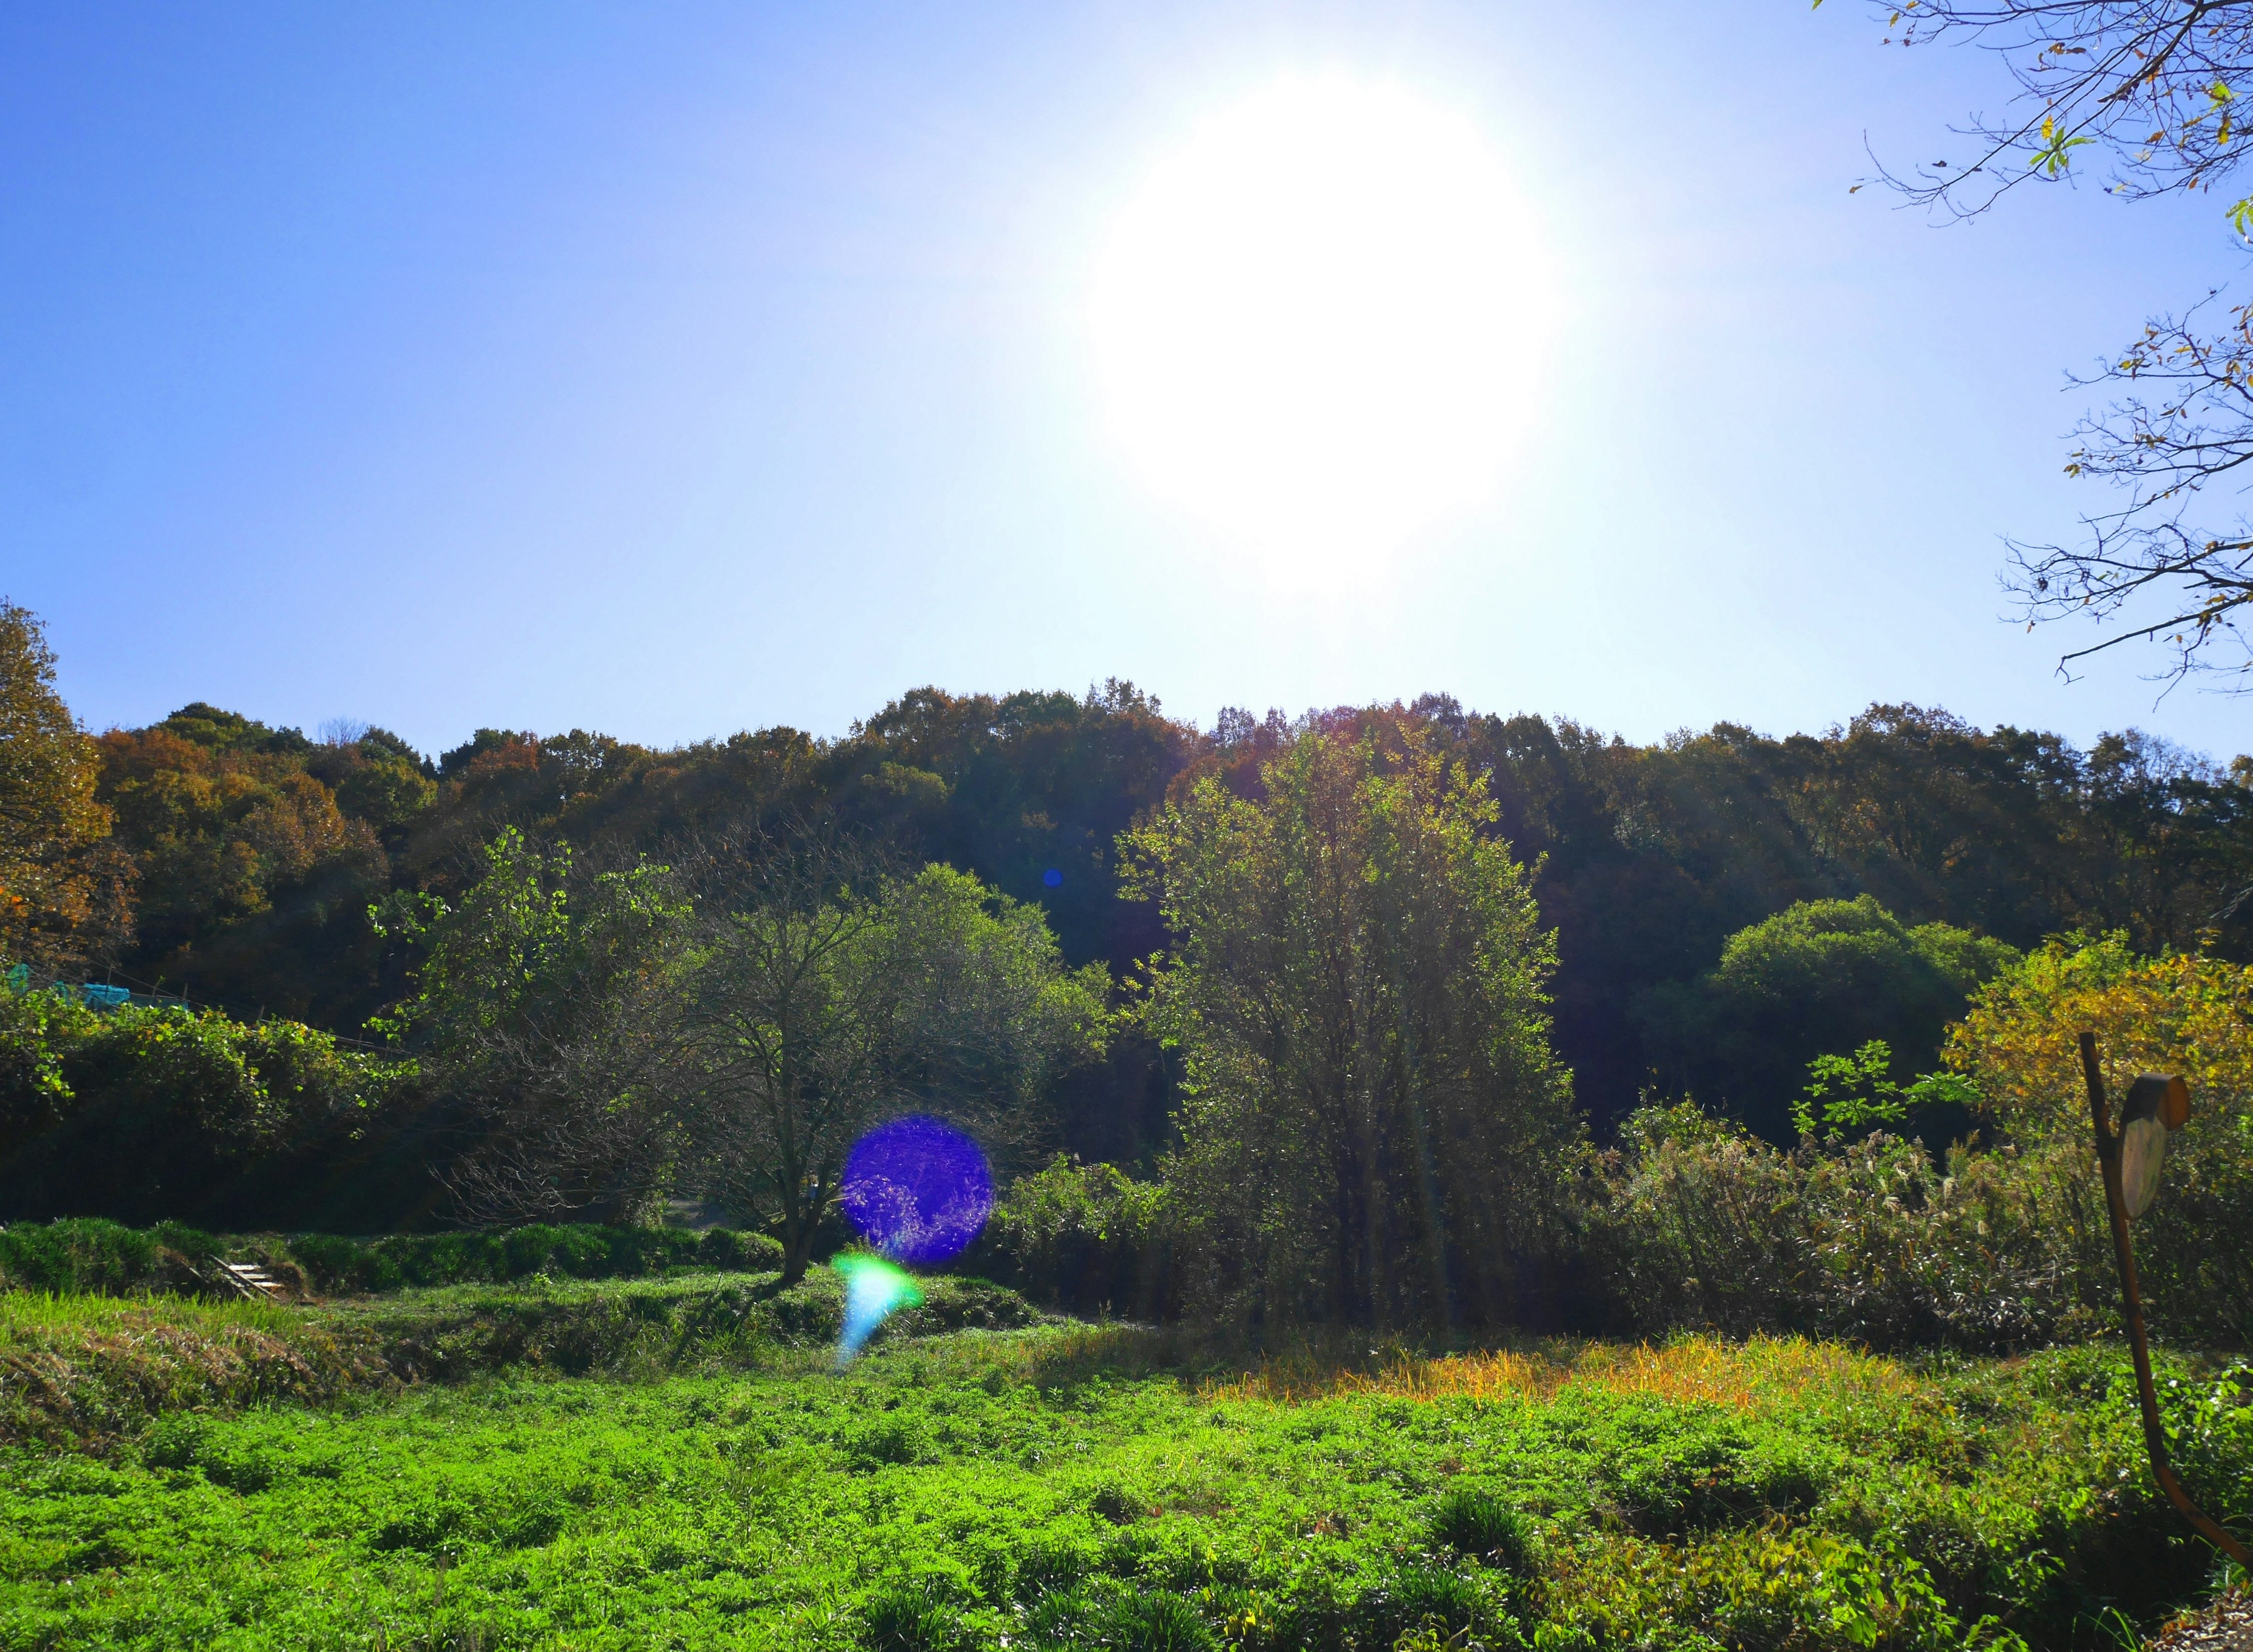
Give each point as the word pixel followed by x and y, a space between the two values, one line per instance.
pixel 547 1008
pixel 63 898
pixel 1370 1115
pixel 831 996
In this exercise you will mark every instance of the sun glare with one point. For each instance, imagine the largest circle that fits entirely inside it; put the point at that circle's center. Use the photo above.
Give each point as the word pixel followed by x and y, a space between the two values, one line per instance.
pixel 1318 322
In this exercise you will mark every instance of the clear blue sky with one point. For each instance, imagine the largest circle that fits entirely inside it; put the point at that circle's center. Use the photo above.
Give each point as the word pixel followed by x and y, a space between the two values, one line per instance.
pixel 674 370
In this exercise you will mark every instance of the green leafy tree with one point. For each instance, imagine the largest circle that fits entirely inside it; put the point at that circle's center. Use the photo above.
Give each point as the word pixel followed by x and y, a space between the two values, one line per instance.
pixel 829 996
pixel 549 1004
pixel 62 893
pixel 1852 1095
pixel 1819 977
pixel 1370 1115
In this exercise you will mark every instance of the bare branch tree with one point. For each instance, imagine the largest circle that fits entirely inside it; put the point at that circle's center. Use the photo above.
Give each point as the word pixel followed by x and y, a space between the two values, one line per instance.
pixel 2153 87
pixel 2195 428
pixel 2151 84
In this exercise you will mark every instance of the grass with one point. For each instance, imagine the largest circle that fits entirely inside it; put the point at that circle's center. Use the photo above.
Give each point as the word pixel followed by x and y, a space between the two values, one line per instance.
pixel 1072 1485
pixel 91 1369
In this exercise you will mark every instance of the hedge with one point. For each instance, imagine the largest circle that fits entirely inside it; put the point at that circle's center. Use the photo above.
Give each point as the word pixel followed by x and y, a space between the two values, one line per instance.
pixel 92 1256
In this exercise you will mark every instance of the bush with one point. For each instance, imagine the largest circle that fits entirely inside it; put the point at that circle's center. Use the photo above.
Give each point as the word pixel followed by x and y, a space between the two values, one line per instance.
pixel 92 1256
pixel 1082 1237
pixel 911 1618
pixel 1696 1223
pixel 1156 1623
pixel 1479 1523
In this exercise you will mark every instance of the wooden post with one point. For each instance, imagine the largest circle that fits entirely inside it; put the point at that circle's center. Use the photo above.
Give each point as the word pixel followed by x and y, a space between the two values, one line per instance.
pixel 2155 1439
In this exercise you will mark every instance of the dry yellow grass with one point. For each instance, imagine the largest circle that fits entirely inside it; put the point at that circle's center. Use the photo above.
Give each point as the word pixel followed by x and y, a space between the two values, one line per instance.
pixel 1745 1375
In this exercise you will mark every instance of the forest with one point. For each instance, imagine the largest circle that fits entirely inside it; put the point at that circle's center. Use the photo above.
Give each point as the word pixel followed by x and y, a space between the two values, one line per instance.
pixel 1458 1180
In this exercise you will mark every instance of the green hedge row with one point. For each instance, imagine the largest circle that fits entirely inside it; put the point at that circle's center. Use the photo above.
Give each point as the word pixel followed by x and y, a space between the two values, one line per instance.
pixel 89 1255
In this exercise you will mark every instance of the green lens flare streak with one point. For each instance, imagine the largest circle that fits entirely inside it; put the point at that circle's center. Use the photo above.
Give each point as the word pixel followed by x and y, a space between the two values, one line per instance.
pixel 874 1289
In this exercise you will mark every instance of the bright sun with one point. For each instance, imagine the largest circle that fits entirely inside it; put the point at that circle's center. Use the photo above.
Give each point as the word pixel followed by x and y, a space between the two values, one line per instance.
pixel 1318 322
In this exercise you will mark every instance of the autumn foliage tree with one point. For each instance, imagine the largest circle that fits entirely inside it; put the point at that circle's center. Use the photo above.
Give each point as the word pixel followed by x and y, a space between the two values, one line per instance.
pixel 2175 1013
pixel 63 893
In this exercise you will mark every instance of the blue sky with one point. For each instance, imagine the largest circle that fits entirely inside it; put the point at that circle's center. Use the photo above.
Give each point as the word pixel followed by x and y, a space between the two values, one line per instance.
pixel 673 370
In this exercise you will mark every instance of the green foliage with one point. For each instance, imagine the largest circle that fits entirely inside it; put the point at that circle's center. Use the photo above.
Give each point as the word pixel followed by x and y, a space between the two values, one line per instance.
pixel 1475 1521
pixel 89 1255
pixel 833 996
pixel 1821 977
pixel 544 1003
pixel 152 1104
pixel 912 1618
pixel 1874 1507
pixel 1850 1095
pixel 1371 1119
pixel 1083 1237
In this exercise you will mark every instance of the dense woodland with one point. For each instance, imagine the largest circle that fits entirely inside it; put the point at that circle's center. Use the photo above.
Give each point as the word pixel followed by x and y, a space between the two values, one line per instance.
pixel 256 852
pixel 1379 1015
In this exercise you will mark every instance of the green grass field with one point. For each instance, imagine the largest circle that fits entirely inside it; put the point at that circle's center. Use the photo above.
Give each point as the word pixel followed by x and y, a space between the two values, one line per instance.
pixel 709 1481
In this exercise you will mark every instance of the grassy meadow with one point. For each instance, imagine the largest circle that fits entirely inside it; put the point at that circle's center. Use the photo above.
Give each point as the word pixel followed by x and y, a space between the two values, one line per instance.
pixel 674 1463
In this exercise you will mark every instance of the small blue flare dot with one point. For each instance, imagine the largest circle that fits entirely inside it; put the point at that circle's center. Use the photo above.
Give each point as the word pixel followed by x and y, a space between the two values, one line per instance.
pixel 1053 878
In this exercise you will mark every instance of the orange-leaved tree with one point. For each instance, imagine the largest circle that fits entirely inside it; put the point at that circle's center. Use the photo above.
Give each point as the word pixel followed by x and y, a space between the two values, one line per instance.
pixel 62 897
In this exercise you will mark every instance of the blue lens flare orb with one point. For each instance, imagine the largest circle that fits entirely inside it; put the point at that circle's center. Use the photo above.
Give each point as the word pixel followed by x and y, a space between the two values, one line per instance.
pixel 918 1189
pixel 1053 878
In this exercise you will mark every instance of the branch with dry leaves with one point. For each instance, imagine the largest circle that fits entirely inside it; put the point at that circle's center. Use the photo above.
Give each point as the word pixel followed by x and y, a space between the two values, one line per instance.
pixel 2150 88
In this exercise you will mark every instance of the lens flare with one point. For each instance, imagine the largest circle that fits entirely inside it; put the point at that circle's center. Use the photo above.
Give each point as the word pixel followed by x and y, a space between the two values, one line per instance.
pixel 918 1189
pixel 874 1290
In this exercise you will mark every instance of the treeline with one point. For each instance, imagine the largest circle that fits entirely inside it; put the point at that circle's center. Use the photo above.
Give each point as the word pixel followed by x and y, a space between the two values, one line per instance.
pixel 1351 998
pixel 255 853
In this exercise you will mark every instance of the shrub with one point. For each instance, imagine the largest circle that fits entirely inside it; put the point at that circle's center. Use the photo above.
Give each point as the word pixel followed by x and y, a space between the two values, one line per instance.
pixel 1476 1522
pixel 911 1618
pixel 1693 1221
pixel 1696 1223
pixel 89 1255
pixel 1083 1238
pixel 1156 1622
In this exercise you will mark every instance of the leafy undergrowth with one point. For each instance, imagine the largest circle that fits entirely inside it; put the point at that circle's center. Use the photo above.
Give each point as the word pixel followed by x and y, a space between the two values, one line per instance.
pixel 93 1370
pixel 1055 1487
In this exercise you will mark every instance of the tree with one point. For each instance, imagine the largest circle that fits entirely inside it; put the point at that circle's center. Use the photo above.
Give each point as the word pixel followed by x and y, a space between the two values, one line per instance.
pixel 2151 86
pixel 2171 1013
pixel 254 881
pixel 1818 980
pixel 1370 1111
pixel 63 893
pixel 828 996
pixel 548 1007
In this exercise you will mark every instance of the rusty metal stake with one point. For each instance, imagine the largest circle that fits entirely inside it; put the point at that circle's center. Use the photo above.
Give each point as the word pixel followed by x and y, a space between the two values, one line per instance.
pixel 2155 1439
